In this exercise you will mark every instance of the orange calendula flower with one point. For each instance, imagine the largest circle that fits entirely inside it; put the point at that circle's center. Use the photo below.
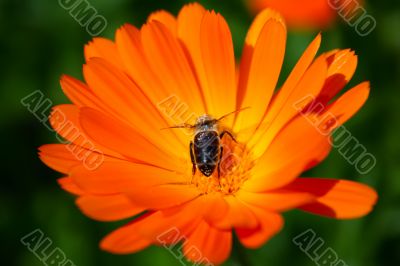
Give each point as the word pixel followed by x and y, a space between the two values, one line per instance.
pixel 136 85
pixel 307 13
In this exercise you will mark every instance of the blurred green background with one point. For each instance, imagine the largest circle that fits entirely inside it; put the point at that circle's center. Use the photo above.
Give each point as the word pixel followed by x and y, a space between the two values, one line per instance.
pixel 40 41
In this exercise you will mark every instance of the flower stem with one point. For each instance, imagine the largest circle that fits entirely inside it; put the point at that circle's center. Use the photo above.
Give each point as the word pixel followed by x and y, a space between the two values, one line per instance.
pixel 240 254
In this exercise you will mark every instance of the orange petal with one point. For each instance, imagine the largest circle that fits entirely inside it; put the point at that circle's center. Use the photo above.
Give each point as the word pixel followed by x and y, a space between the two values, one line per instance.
pixel 210 207
pixel 70 186
pixel 79 93
pixel 121 138
pixel 189 27
pixel 126 239
pixel 103 48
pixel 63 158
pixel 266 57
pixel 253 34
pixel 128 103
pixel 65 120
pixel 119 93
pixel 219 65
pixel 167 100
pixel 166 18
pixel 208 245
pixel 168 59
pixel 238 215
pixel 283 107
pixel 108 207
pixel 301 67
pixel 215 207
pixel 121 177
pixel 341 199
pixel 151 227
pixel 294 148
pixel 129 43
pixel 269 224
pixel 259 22
pixel 349 103
pixel 162 196
pixel 342 65
pixel 299 14
pixel 279 200
pixel 184 217
pixel 58 157
pixel 342 62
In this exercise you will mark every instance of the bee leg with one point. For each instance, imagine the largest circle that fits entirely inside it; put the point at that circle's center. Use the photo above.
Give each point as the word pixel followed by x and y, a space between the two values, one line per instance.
pixel 228 133
pixel 219 165
pixel 192 159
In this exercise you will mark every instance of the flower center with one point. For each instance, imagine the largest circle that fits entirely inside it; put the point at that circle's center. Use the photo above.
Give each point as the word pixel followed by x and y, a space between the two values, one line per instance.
pixel 235 165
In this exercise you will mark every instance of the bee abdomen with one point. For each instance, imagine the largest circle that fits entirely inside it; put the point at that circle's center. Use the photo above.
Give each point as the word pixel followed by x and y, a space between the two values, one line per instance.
pixel 206 151
pixel 207 169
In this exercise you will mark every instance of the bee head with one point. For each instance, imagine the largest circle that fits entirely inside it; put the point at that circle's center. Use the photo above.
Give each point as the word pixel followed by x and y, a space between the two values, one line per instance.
pixel 206 123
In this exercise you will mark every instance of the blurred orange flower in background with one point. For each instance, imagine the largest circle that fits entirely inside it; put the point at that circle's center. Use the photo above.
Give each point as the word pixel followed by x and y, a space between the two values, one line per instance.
pixel 147 173
pixel 314 14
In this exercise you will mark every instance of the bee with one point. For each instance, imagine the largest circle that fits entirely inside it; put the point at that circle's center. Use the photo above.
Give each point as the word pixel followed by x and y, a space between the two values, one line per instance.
pixel 205 149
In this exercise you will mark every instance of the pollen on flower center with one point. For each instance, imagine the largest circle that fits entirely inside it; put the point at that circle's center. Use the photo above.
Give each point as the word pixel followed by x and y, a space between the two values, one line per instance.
pixel 236 163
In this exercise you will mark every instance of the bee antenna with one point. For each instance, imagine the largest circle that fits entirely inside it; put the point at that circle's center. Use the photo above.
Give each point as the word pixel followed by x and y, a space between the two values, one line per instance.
pixel 234 112
pixel 179 126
